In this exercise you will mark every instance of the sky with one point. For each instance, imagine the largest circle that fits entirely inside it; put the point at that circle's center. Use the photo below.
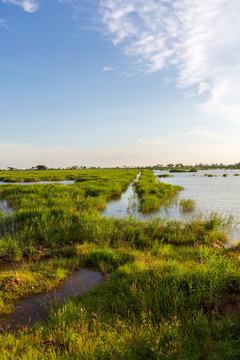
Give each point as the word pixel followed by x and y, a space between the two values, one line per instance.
pixel 119 82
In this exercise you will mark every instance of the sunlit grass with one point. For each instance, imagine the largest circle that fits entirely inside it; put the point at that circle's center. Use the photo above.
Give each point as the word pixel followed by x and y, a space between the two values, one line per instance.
pixel 187 205
pixel 173 292
pixel 152 193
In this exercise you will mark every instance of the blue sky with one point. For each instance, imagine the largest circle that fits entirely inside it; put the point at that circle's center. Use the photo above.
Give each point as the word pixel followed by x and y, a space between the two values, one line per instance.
pixel 117 82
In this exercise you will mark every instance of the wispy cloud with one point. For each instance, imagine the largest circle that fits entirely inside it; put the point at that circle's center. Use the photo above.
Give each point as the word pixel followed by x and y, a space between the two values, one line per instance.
pixel 107 68
pixel 198 38
pixel 152 141
pixel 4 24
pixel 27 5
pixel 208 134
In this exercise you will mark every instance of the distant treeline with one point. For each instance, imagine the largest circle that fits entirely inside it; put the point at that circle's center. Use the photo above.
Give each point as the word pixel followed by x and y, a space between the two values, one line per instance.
pixel 195 167
pixel 178 167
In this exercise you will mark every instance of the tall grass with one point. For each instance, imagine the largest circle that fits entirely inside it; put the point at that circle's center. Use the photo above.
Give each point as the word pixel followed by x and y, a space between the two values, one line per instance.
pixel 154 306
pixel 187 205
pixel 152 193
pixel 173 293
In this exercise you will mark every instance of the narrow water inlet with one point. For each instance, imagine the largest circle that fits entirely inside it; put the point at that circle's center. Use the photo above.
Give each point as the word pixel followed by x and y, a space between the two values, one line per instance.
pixel 5 207
pixel 36 308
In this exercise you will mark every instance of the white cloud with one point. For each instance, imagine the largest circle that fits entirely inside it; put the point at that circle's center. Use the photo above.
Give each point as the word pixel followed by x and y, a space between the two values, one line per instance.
pixel 198 38
pixel 3 24
pixel 27 5
pixel 107 68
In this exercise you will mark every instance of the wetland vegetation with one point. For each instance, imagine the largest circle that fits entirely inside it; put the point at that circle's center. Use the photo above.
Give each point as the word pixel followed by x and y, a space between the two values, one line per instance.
pixel 153 193
pixel 174 289
pixel 187 204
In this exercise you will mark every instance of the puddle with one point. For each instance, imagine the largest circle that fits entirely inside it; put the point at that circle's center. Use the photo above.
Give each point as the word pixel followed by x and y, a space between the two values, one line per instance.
pixel 36 308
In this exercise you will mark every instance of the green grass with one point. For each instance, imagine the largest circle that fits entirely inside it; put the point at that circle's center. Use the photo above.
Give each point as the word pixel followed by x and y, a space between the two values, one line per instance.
pixel 152 193
pixel 57 175
pixel 187 205
pixel 174 291
pixel 165 176
pixel 175 303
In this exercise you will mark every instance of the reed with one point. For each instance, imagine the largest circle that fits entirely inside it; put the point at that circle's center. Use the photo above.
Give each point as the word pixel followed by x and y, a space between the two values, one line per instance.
pixel 174 302
pixel 152 193
pixel 173 291
pixel 187 205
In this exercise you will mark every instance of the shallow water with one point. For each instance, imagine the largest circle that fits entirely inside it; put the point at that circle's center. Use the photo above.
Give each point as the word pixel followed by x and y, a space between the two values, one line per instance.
pixel 211 194
pixel 4 207
pixel 64 182
pixel 36 308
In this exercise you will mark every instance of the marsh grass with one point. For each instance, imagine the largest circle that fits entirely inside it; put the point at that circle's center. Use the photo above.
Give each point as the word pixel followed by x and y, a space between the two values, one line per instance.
pixel 187 205
pixel 152 193
pixel 162 304
pixel 173 294
pixel 165 176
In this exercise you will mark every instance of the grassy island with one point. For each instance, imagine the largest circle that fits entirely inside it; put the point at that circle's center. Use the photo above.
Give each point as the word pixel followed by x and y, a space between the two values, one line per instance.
pixel 152 193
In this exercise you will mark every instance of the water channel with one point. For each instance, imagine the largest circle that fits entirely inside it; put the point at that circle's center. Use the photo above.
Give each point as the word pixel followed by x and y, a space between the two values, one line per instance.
pixel 63 182
pixel 36 308
pixel 211 191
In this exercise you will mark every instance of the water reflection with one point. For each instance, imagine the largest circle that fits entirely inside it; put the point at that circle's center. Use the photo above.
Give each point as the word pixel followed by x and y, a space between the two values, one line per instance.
pixel 4 207
pixel 36 308
pixel 216 193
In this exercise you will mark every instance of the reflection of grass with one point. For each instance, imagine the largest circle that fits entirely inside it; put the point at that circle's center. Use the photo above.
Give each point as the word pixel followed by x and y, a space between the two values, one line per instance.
pixel 132 203
pixel 187 205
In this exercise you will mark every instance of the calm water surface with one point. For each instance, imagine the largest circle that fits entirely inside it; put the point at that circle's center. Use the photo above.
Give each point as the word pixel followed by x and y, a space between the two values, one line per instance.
pixel 64 182
pixel 4 207
pixel 36 308
pixel 212 194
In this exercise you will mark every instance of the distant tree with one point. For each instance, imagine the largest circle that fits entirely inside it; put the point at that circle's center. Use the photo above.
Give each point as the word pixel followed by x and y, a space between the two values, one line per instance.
pixel 74 167
pixel 41 167
pixel 170 165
